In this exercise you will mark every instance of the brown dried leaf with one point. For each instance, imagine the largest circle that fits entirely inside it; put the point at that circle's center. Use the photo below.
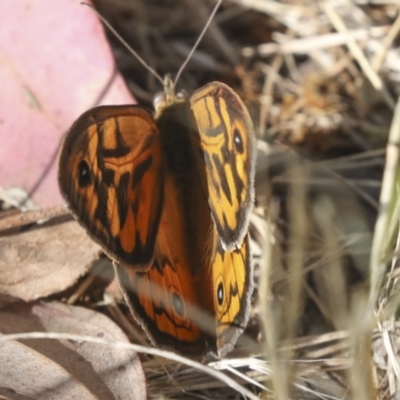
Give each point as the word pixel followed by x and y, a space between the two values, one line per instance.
pixel 30 373
pixel 97 371
pixel 44 261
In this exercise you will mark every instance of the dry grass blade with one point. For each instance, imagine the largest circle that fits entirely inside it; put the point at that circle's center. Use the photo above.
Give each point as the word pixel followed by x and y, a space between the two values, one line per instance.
pixel 359 56
pixel 381 239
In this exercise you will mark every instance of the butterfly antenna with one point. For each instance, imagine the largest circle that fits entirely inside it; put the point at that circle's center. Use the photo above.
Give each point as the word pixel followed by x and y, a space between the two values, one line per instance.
pixel 197 42
pixel 129 48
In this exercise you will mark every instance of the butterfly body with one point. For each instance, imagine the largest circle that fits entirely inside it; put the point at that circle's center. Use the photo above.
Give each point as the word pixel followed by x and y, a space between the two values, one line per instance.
pixel 169 200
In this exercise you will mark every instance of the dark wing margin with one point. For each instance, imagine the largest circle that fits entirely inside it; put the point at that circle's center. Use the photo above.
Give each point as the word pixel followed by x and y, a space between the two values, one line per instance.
pixel 233 287
pixel 110 175
pixel 228 143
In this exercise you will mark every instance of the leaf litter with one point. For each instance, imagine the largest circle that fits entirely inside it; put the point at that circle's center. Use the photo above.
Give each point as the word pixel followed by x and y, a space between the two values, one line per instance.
pixel 64 368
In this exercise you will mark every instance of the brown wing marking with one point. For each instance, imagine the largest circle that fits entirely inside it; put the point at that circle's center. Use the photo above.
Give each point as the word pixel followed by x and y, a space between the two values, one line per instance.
pixel 233 286
pixel 110 174
pixel 227 139
pixel 164 298
pixel 172 298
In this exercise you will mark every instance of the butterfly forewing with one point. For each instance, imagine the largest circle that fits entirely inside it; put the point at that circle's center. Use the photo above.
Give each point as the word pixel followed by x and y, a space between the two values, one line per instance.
pixel 227 140
pixel 110 174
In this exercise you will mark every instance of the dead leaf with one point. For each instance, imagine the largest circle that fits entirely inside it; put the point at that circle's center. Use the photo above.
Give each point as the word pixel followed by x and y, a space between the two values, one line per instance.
pixel 27 372
pixel 66 369
pixel 44 261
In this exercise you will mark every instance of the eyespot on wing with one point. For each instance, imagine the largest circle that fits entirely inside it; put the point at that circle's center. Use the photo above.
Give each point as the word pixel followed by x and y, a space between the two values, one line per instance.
pixel 228 143
pixel 110 175
pixel 233 286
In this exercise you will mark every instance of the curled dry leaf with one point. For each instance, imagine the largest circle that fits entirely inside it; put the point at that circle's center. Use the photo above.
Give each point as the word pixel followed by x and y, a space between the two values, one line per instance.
pixel 66 369
pixel 44 261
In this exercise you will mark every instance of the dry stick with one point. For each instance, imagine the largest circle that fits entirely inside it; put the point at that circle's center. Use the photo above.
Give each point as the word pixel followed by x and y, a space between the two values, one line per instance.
pixel 246 378
pixel 317 340
pixel 189 379
pixel 380 243
pixel 316 264
pixel 358 54
pixel 285 83
pixel 340 162
pixel 309 345
pixel 388 328
pixel 307 44
pixel 391 380
pixel 361 327
pixel 331 182
pixel 331 275
pixel 387 41
pixel 273 8
pixel 293 72
pixel 282 369
pixel 139 349
pixel 318 303
pixel 267 315
pixel 81 289
pixel 377 263
pixel 30 217
pixel 382 237
pixel 355 187
pixel 329 352
pixel 297 232
pixel 266 96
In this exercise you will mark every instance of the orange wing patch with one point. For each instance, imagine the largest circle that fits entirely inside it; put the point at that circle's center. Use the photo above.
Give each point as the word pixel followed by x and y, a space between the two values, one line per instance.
pixel 110 174
pixel 227 139
pixel 233 285
pixel 167 299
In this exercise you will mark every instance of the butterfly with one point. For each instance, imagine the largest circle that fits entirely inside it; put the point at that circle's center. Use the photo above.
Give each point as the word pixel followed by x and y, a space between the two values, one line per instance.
pixel 168 198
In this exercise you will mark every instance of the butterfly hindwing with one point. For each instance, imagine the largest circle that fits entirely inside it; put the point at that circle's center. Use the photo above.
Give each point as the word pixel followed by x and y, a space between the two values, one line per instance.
pixel 173 299
pixel 233 286
pixel 164 300
pixel 227 140
pixel 110 174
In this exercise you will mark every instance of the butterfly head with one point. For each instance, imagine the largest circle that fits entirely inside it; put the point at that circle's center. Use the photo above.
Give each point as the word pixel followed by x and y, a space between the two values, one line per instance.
pixel 167 96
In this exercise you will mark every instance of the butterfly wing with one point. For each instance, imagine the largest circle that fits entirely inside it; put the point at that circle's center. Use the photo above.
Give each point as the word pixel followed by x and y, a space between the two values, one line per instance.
pixel 171 305
pixel 233 286
pixel 228 144
pixel 172 299
pixel 227 140
pixel 110 175
pixel 164 300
